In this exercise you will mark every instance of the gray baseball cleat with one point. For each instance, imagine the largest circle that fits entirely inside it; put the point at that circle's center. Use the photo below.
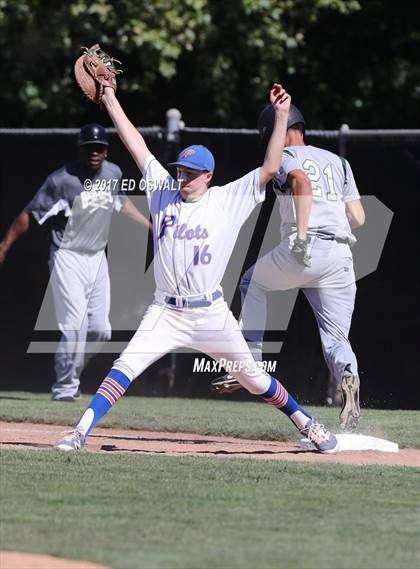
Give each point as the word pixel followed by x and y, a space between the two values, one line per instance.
pixel 225 384
pixel 74 397
pixel 74 440
pixel 319 436
pixel 350 412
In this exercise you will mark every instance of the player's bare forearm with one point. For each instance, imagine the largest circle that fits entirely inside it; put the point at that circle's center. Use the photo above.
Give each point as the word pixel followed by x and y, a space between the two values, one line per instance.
pixel 18 228
pixel 127 132
pixel 302 197
pixel 355 213
pixel 130 210
pixel 272 160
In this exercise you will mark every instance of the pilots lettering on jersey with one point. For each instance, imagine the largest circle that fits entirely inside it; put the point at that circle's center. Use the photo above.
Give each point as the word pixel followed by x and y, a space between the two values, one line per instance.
pixel 182 231
pixel 96 200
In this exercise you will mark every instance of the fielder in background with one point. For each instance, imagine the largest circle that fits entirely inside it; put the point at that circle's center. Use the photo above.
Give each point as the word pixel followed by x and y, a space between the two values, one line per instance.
pixel 319 206
pixel 79 210
pixel 195 228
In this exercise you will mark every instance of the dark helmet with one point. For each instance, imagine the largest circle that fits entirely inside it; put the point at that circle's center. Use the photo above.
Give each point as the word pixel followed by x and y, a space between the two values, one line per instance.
pixel 266 120
pixel 92 134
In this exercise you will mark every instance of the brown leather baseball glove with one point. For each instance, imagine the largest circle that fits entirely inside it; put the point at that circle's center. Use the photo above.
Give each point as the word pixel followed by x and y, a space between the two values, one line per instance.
pixel 94 70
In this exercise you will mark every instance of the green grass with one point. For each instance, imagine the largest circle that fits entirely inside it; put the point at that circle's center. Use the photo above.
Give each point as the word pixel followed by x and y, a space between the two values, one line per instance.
pixel 205 416
pixel 134 511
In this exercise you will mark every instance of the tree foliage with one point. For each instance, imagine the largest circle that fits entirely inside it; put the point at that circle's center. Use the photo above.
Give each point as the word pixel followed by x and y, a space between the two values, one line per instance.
pixel 342 60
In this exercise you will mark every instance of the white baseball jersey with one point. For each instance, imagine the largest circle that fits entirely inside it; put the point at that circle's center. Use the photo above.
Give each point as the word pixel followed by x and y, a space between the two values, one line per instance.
pixel 332 186
pixel 193 241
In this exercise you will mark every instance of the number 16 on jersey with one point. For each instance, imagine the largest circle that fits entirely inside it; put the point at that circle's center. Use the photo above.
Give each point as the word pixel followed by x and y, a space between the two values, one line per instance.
pixel 202 257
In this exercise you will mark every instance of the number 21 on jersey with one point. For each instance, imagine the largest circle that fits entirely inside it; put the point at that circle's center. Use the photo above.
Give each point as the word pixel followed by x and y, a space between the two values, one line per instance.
pixel 313 171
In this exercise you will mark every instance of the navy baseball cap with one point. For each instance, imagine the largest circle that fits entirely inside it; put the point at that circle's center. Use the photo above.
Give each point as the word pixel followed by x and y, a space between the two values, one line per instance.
pixel 196 157
pixel 92 134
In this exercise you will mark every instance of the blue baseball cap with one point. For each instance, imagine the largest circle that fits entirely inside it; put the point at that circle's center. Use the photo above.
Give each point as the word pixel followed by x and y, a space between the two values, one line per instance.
pixel 196 157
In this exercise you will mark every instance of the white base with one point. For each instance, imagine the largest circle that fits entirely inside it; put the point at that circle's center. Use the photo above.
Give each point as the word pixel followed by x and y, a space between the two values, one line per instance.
pixel 348 441
pixel 65 448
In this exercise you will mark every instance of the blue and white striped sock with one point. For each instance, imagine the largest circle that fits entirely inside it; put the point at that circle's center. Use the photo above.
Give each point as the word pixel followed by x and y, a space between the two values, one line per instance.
pixel 278 396
pixel 111 389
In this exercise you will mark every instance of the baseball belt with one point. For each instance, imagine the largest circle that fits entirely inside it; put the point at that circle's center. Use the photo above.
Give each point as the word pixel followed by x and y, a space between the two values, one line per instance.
pixel 185 302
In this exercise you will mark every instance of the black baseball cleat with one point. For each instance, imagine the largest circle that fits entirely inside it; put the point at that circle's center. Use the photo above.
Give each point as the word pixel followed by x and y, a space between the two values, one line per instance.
pixel 225 384
pixel 350 412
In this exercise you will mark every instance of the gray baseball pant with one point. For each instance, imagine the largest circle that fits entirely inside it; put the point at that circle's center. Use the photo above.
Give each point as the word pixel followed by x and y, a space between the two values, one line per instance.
pixel 329 285
pixel 81 292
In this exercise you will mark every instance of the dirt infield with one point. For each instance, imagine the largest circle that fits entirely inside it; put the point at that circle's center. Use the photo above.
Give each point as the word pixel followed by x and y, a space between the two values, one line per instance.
pixel 17 560
pixel 38 436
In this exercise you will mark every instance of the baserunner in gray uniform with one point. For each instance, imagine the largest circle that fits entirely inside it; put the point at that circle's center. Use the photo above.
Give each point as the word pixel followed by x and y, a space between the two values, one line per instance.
pixel 78 199
pixel 319 205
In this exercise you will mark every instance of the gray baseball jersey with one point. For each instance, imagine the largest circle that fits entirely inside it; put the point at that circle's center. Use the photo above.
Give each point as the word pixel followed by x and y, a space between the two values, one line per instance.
pixel 81 218
pixel 194 240
pixel 329 283
pixel 332 186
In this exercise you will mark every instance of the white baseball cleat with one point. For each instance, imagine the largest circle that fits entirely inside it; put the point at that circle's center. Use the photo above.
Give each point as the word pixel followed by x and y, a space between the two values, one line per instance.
pixel 320 437
pixel 74 440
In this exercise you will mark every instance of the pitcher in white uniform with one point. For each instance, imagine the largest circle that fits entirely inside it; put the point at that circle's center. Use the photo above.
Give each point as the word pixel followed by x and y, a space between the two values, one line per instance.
pixel 195 229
